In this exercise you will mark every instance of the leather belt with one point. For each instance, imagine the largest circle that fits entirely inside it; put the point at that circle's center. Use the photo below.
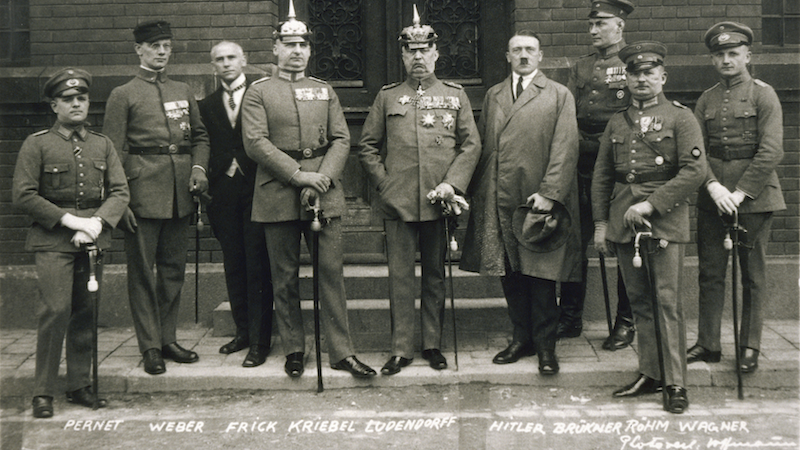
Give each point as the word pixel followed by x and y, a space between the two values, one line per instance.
pixel 78 204
pixel 636 178
pixel 591 127
pixel 726 153
pixel 171 149
pixel 308 153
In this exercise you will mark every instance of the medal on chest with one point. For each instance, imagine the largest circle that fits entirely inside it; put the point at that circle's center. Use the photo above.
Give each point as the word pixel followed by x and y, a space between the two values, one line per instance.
pixel 311 94
pixel 615 75
pixel 176 110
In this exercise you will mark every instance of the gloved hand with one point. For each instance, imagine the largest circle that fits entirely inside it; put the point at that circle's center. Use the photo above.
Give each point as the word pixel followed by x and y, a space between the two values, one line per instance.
pixel 635 215
pixel 600 243
pixel 127 222
pixel 198 182
pixel 92 227
pixel 722 197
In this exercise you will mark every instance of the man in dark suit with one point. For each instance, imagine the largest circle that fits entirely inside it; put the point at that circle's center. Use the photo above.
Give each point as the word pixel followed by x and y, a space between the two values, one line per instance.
pixel 231 177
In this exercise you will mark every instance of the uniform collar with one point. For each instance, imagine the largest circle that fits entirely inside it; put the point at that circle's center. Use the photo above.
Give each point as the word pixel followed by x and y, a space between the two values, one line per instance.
pixel 151 76
pixel 66 131
pixel 290 76
pixel 735 80
pixel 611 50
pixel 426 82
pixel 659 99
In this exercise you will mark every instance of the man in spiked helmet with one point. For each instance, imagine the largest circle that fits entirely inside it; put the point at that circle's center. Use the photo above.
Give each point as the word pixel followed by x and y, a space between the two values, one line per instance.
pixel 432 145
pixel 294 129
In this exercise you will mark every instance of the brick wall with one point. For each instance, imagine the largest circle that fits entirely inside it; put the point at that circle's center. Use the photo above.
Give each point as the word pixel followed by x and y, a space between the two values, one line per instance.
pixel 100 32
pixel 680 24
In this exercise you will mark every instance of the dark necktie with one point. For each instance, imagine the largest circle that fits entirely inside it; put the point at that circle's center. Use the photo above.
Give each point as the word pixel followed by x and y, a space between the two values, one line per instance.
pixel 519 88
pixel 231 101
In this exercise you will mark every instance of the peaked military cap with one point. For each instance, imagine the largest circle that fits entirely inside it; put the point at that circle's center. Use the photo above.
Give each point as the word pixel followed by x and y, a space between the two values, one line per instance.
pixel 643 55
pixel 152 31
pixel 292 30
pixel 728 34
pixel 417 36
pixel 611 8
pixel 66 79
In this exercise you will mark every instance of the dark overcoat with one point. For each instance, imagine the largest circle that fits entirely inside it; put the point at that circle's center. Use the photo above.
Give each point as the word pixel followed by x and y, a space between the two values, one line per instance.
pixel 529 146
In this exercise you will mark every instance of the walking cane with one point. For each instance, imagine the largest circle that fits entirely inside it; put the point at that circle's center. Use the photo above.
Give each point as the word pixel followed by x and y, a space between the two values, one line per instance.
pixel 316 227
pixel 450 224
pixel 93 286
pixel 732 243
pixel 637 262
pixel 197 229
pixel 605 296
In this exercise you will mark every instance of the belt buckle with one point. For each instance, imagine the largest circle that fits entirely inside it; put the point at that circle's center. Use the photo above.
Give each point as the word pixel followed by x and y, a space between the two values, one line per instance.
pixel 308 153
pixel 630 178
pixel 173 148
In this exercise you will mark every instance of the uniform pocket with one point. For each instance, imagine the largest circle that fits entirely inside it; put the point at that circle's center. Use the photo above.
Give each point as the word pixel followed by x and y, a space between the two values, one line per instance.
pixel 55 175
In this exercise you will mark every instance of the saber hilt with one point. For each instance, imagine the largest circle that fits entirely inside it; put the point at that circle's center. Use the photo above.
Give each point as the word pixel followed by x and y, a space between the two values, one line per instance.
pixel 92 285
pixel 316 223
pixel 637 257
pixel 200 223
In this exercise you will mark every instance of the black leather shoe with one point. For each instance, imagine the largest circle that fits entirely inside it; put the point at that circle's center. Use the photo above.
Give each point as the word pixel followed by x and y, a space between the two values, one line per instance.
pixel 748 360
pixel 394 365
pixel 699 353
pixel 85 397
pixel 514 352
pixel 179 354
pixel 677 401
pixel 153 362
pixel 256 356
pixel 355 367
pixel 238 343
pixel 42 407
pixel 622 336
pixel 548 363
pixel 435 358
pixel 569 329
pixel 294 364
pixel 642 385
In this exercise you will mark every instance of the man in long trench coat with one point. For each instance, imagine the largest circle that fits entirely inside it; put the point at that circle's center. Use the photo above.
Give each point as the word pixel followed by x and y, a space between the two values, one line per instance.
pixel 530 153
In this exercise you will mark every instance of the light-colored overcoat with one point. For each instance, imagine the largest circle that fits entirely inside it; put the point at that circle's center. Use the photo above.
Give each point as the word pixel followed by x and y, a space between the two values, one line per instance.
pixel 529 145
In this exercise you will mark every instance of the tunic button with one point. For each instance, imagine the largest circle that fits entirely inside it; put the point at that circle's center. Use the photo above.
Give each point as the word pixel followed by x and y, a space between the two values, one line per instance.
pixel 81 174
pixel 633 141
pixel 591 102
pixel 726 100
pixel 724 128
pixel 594 92
pixel 80 184
pixel 633 161
pixel 724 109
pixel 80 165
pixel 55 170
pixel 725 138
pixel 80 193
pixel 633 151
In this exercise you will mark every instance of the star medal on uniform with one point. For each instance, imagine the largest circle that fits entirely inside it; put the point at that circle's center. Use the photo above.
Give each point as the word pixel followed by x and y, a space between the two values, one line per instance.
pixel 420 91
pixel 428 120
pixel 448 120
pixel 404 100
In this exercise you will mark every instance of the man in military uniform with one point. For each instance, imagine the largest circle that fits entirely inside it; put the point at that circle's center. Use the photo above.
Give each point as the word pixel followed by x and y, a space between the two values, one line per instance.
pixel 742 125
pixel 432 144
pixel 232 176
pixel 650 161
pixel 71 182
pixel 294 129
pixel 155 125
pixel 597 82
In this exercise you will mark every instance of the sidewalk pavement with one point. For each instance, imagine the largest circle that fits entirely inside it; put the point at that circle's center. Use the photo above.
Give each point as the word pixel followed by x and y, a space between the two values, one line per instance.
pixel 584 364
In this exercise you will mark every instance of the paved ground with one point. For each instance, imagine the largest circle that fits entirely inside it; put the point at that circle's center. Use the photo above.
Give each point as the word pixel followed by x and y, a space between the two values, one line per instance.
pixel 583 363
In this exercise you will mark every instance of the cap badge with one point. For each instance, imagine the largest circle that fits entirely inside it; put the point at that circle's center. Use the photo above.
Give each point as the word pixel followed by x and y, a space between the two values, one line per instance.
pixel 724 37
pixel 72 82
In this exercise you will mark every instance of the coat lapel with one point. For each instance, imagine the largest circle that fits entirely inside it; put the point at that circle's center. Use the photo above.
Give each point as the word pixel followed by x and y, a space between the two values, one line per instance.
pixel 219 110
pixel 536 85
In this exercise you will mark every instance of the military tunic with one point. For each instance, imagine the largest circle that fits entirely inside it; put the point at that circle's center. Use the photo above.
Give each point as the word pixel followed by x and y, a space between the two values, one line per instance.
pixel 742 125
pixel 60 171
pixel 155 125
pixel 291 122
pixel 653 151
pixel 428 130
pixel 598 83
